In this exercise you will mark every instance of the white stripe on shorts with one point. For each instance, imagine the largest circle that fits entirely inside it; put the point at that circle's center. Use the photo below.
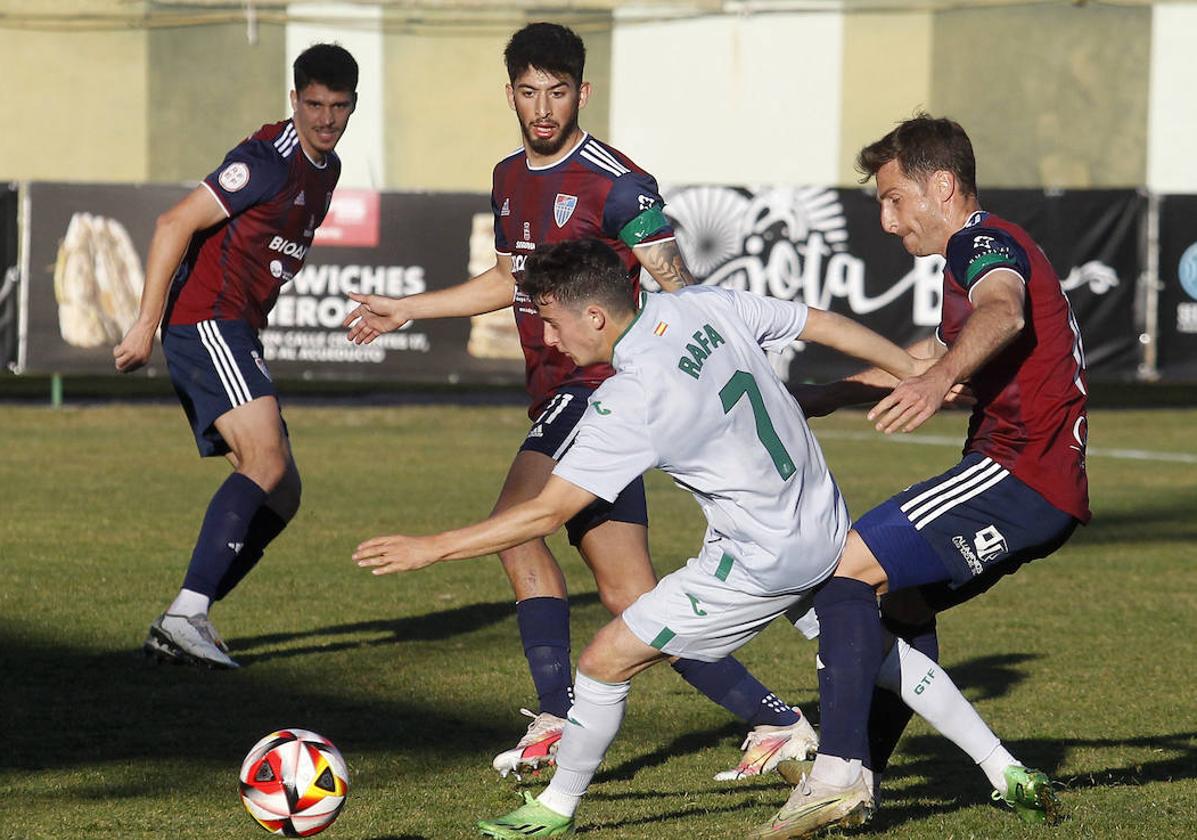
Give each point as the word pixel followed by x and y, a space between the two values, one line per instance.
pixel 938 500
pixel 226 366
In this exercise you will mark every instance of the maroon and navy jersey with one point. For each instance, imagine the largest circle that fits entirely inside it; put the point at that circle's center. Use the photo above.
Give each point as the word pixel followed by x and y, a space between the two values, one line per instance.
pixel 275 197
pixel 593 192
pixel 1030 411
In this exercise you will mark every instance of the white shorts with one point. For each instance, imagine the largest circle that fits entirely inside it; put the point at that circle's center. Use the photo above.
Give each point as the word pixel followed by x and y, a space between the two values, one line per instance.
pixel 693 614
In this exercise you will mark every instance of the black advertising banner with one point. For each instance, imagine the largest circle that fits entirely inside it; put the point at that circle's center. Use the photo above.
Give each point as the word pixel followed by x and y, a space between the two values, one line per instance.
pixel 10 274
pixel 1095 240
pixel 1177 359
pixel 826 248
pixel 87 246
pixel 87 251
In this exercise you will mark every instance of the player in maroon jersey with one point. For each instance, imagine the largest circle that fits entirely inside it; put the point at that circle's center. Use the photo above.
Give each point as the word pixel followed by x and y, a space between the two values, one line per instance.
pixel 1020 490
pixel 216 263
pixel 563 184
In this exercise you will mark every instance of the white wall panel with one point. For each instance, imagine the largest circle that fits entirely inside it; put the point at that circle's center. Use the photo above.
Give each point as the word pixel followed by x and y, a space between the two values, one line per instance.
pixel 1172 108
pixel 730 99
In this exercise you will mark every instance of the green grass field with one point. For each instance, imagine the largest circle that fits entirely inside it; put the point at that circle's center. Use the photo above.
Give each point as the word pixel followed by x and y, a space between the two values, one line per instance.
pixel 1082 662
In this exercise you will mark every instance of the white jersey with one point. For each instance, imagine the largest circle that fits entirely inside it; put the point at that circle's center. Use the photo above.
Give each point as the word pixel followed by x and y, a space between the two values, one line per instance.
pixel 694 394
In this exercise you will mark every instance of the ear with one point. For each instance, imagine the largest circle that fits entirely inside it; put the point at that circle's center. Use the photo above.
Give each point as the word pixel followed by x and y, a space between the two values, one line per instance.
pixel 510 96
pixel 596 316
pixel 583 94
pixel 943 183
pixel 294 101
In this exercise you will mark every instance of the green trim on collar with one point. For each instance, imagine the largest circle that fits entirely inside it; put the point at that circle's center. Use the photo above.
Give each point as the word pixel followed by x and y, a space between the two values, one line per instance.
pixel 632 323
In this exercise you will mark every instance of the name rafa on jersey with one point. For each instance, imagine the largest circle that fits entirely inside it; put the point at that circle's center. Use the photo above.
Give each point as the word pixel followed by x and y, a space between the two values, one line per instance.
pixel 706 341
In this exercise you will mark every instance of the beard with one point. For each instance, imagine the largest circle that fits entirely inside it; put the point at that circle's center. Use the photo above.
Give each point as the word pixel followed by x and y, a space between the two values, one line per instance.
pixel 549 146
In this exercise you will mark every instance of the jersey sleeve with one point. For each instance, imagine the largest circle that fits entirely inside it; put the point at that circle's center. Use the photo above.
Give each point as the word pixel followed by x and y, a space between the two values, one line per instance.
pixel 974 252
pixel 251 173
pixel 611 445
pixel 502 246
pixel 634 212
pixel 774 322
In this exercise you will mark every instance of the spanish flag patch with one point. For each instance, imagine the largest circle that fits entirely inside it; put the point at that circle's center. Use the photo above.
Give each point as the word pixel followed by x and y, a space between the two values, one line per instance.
pixel 660 328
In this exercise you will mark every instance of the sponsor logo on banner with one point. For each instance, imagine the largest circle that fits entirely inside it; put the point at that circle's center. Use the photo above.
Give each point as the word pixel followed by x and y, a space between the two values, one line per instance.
pixel 1186 313
pixel 351 221
pixel 234 177
pixel 563 208
pixel 1188 271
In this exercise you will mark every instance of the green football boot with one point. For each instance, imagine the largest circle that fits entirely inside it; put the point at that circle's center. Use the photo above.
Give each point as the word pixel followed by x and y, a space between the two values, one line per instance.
pixel 529 820
pixel 1030 793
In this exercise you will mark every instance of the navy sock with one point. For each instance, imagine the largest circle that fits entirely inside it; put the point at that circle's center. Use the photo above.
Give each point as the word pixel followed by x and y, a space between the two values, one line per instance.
pixel 729 684
pixel 544 630
pixel 889 716
pixel 850 652
pixel 263 528
pixel 222 535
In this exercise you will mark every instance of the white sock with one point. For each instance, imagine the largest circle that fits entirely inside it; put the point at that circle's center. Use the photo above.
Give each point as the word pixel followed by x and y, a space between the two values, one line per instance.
pixel 994 766
pixel 928 690
pixel 835 771
pixel 591 726
pixel 188 602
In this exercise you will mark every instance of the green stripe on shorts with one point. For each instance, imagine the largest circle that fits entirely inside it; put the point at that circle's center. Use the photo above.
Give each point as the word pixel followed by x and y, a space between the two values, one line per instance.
pixel 725 564
pixel 663 638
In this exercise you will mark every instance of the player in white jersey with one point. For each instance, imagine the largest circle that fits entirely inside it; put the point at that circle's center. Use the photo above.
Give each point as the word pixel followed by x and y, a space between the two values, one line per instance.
pixel 694 395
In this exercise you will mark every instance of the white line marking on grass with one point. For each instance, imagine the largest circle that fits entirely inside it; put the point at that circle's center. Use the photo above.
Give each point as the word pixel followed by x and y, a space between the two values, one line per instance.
pixel 946 440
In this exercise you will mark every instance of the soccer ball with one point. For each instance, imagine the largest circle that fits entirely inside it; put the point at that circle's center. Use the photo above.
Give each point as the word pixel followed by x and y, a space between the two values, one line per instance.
pixel 294 782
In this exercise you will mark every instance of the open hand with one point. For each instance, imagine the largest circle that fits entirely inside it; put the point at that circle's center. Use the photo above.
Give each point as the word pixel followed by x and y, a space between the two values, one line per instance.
pixel 396 553
pixel 375 315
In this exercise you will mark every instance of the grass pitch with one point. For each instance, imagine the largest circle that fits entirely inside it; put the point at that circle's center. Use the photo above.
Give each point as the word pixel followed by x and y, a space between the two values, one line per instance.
pixel 1082 662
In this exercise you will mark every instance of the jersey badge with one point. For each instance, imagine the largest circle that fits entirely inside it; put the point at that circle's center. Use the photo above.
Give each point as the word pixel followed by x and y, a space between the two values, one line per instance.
pixel 234 177
pixel 299 200
pixel 261 363
pixel 528 231
pixel 563 208
pixel 660 328
pixel 506 211
pixel 598 407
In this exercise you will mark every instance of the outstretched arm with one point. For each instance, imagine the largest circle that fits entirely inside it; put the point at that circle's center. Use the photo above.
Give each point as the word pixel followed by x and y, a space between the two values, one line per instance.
pixel 377 314
pixel 996 320
pixel 557 503
pixel 172 233
pixel 665 263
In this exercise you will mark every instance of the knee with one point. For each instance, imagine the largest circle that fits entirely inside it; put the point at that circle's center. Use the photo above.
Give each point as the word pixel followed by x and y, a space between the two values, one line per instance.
pixel 617 599
pixel 596 663
pixel 268 468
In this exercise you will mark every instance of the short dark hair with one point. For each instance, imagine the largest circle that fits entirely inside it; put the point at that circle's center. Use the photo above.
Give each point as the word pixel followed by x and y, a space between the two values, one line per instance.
pixel 921 145
pixel 328 64
pixel 550 47
pixel 579 272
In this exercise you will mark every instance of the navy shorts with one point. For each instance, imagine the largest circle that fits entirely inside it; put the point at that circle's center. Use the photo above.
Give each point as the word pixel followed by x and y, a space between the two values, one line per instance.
pixel 966 528
pixel 215 367
pixel 546 436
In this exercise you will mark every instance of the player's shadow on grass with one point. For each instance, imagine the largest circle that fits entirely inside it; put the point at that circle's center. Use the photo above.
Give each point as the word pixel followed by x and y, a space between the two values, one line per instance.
pixel 430 627
pixel 1168 522
pixel 932 776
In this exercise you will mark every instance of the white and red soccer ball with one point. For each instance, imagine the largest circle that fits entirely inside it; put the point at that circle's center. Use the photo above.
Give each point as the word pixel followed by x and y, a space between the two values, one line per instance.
pixel 294 783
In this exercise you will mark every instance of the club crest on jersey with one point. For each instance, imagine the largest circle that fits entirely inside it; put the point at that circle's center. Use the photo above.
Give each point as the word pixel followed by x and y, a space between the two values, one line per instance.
pixel 506 211
pixel 299 200
pixel 563 208
pixel 234 177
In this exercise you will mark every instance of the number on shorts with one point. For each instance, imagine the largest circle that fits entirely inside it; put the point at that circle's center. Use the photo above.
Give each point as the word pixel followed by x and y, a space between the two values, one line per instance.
pixel 743 383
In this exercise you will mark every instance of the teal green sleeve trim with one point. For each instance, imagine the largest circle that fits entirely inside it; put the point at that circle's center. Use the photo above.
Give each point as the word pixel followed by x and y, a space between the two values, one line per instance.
pixel 643 226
